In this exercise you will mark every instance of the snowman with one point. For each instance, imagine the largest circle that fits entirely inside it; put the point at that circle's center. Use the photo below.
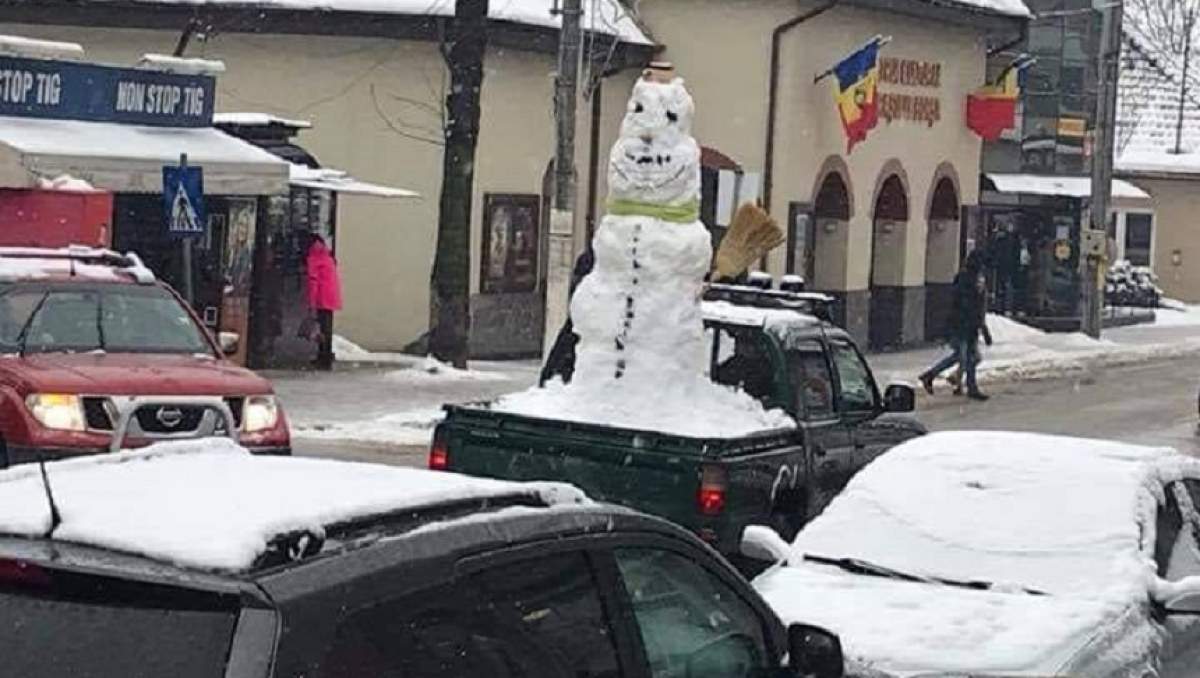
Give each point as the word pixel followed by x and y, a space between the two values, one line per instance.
pixel 637 313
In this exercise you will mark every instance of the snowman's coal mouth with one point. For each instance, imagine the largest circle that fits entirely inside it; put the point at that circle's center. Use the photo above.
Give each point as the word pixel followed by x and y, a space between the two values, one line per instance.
pixel 648 182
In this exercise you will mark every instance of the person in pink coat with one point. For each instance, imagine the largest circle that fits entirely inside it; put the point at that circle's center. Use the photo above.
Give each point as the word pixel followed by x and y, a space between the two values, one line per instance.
pixel 324 296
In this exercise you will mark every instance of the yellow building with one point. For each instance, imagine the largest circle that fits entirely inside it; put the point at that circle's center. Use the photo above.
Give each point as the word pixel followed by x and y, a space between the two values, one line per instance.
pixel 879 226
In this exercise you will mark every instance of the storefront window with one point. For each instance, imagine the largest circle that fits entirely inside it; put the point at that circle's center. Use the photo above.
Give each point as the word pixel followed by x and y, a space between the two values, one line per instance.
pixel 1041 106
pixel 1046 37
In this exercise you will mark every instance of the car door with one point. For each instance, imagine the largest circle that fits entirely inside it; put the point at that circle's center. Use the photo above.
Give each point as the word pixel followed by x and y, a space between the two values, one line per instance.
pixel 692 621
pixel 533 615
pixel 831 445
pixel 1178 556
pixel 858 402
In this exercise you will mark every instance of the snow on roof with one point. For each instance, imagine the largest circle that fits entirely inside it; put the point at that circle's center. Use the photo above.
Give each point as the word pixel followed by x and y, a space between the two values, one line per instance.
pixel 251 119
pixel 1015 8
pixel 174 64
pixel 1060 515
pixel 15 45
pixel 210 504
pixel 1148 113
pixel 30 263
pixel 608 17
pixel 753 316
pixel 1075 187
pixel 341 182
pixel 66 184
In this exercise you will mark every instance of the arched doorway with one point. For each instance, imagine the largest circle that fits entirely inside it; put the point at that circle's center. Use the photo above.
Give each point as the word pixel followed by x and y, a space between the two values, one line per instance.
pixel 823 260
pixel 941 256
pixel 888 245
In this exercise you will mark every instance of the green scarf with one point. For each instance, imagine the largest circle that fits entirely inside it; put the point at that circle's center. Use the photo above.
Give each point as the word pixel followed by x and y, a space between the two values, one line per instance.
pixel 683 213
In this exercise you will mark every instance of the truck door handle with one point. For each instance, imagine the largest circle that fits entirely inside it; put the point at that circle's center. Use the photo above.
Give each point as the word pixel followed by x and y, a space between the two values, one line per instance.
pixel 818 450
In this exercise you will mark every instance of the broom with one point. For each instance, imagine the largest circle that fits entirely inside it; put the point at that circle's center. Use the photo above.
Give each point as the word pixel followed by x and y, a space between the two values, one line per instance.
pixel 752 234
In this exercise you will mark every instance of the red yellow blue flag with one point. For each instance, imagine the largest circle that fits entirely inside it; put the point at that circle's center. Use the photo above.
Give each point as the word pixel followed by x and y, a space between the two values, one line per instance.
pixel 857 98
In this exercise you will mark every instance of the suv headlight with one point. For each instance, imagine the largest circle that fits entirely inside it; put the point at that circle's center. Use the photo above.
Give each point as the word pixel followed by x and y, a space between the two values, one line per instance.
pixel 57 411
pixel 261 413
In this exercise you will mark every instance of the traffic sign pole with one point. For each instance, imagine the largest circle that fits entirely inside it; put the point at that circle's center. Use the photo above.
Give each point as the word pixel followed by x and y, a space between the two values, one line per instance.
pixel 188 289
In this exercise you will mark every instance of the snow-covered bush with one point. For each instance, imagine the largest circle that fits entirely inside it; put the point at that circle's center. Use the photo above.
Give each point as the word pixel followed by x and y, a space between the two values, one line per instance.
pixel 1129 285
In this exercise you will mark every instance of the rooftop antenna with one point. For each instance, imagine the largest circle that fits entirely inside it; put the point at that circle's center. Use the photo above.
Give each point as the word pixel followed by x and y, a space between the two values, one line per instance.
pixel 55 516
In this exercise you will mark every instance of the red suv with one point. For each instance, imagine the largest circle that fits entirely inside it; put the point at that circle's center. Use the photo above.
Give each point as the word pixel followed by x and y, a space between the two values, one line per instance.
pixel 96 355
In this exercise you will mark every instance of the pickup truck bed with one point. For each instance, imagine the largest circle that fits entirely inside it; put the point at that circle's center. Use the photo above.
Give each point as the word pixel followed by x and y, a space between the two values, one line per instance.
pixel 713 486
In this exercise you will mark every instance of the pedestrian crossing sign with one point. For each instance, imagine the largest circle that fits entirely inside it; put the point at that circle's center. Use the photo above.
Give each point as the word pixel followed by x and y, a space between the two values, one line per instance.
pixel 183 201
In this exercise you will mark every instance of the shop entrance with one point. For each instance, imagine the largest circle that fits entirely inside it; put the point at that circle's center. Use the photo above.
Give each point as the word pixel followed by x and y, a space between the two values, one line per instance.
pixel 824 257
pixel 139 227
pixel 889 237
pixel 941 257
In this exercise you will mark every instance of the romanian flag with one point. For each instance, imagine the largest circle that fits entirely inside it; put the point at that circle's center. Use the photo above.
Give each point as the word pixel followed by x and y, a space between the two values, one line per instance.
pixel 993 109
pixel 857 98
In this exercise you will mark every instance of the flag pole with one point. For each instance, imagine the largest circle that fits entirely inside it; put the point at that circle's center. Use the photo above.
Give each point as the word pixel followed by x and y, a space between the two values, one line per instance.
pixel 878 39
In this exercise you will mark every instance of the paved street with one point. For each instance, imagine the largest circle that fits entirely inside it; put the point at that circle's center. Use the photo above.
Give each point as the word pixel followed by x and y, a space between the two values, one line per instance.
pixel 1150 403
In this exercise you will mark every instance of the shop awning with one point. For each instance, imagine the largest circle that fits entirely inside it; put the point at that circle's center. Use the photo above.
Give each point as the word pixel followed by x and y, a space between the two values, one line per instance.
pixel 340 182
pixel 129 158
pixel 1069 187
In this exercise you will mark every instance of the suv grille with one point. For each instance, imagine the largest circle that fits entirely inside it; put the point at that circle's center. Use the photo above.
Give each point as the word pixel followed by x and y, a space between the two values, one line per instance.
pixel 99 415
pixel 169 419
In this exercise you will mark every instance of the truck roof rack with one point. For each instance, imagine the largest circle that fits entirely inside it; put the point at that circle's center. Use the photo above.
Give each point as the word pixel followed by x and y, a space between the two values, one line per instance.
pixel 129 263
pixel 815 304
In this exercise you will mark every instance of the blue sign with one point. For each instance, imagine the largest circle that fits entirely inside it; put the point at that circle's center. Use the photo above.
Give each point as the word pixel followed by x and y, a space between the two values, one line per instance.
pixel 183 201
pixel 63 90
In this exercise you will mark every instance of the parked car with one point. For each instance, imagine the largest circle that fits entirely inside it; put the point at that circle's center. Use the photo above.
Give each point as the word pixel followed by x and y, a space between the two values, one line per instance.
pixel 798 362
pixel 96 355
pixel 1004 554
pixel 232 569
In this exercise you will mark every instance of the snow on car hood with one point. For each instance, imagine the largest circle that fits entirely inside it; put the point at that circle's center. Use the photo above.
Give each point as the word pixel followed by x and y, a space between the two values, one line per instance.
pixel 907 628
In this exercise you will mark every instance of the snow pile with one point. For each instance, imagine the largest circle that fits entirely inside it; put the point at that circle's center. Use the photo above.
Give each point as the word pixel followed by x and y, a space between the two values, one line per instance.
pixel 413 428
pixel 433 370
pixel 1064 516
pixel 641 358
pixel 210 504
pixel 173 64
pixel 348 351
pixel 66 183
pixel 1183 315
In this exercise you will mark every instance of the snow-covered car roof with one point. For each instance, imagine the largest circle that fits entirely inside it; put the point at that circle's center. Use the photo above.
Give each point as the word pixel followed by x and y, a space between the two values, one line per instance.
pixel 77 262
pixel 211 505
pixel 1028 513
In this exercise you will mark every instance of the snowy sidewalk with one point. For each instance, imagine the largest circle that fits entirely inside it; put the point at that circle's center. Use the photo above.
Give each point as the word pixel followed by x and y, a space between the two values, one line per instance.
pixel 392 400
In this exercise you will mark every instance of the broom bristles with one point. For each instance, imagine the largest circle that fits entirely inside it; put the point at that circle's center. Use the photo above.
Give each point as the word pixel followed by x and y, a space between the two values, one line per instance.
pixel 752 234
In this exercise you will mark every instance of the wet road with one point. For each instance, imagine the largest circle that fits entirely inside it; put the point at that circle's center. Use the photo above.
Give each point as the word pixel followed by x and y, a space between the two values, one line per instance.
pixel 1148 404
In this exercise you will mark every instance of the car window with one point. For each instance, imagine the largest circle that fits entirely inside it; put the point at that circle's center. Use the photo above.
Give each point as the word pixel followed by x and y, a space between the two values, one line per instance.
pixel 1168 523
pixel 812 380
pixel 692 624
pixel 744 362
pixel 1184 556
pixel 856 388
pixel 122 318
pixel 530 619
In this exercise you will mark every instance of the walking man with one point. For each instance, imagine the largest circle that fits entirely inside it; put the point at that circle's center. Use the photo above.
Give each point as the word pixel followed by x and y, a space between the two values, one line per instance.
pixel 967 322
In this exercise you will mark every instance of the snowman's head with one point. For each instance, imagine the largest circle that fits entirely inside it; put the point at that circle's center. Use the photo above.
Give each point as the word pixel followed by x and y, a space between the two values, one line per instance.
pixel 656 159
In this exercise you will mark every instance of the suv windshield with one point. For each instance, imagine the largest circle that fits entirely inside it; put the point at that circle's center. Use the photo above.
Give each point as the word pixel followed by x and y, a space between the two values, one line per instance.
pixel 72 317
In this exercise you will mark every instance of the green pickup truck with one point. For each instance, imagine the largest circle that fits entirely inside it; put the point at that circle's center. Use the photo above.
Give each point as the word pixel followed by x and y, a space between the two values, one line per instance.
pixel 778 347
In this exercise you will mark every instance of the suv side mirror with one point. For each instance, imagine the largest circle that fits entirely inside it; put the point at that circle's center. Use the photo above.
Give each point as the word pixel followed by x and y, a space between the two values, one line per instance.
pixel 1187 604
pixel 813 651
pixel 763 543
pixel 899 398
pixel 229 341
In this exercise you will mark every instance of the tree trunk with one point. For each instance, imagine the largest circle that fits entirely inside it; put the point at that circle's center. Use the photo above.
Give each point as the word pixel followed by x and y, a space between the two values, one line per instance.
pixel 450 306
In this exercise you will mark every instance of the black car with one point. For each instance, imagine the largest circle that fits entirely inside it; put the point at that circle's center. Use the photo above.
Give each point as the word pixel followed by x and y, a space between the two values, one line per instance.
pixel 370 572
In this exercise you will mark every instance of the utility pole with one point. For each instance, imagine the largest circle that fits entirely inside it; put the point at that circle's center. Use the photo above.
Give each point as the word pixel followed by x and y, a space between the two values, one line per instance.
pixel 449 303
pixel 1091 287
pixel 561 255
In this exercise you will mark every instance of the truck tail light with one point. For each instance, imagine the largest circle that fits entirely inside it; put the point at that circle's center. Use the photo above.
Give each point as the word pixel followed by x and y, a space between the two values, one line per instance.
pixel 713 483
pixel 439 452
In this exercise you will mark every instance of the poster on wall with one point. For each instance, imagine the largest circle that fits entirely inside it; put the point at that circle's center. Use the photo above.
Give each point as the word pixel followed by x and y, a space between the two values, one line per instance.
pixel 511 244
pixel 238 268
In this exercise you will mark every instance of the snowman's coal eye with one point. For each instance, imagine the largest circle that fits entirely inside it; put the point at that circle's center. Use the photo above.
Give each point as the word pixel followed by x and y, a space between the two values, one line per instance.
pixel 638 108
pixel 672 117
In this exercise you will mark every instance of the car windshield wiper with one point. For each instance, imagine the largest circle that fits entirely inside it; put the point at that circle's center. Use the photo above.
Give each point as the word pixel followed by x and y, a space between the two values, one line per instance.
pixel 23 335
pixel 858 566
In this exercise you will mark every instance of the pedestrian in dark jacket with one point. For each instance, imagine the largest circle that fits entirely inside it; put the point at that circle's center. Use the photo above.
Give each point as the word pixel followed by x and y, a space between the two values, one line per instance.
pixel 968 322
pixel 560 362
